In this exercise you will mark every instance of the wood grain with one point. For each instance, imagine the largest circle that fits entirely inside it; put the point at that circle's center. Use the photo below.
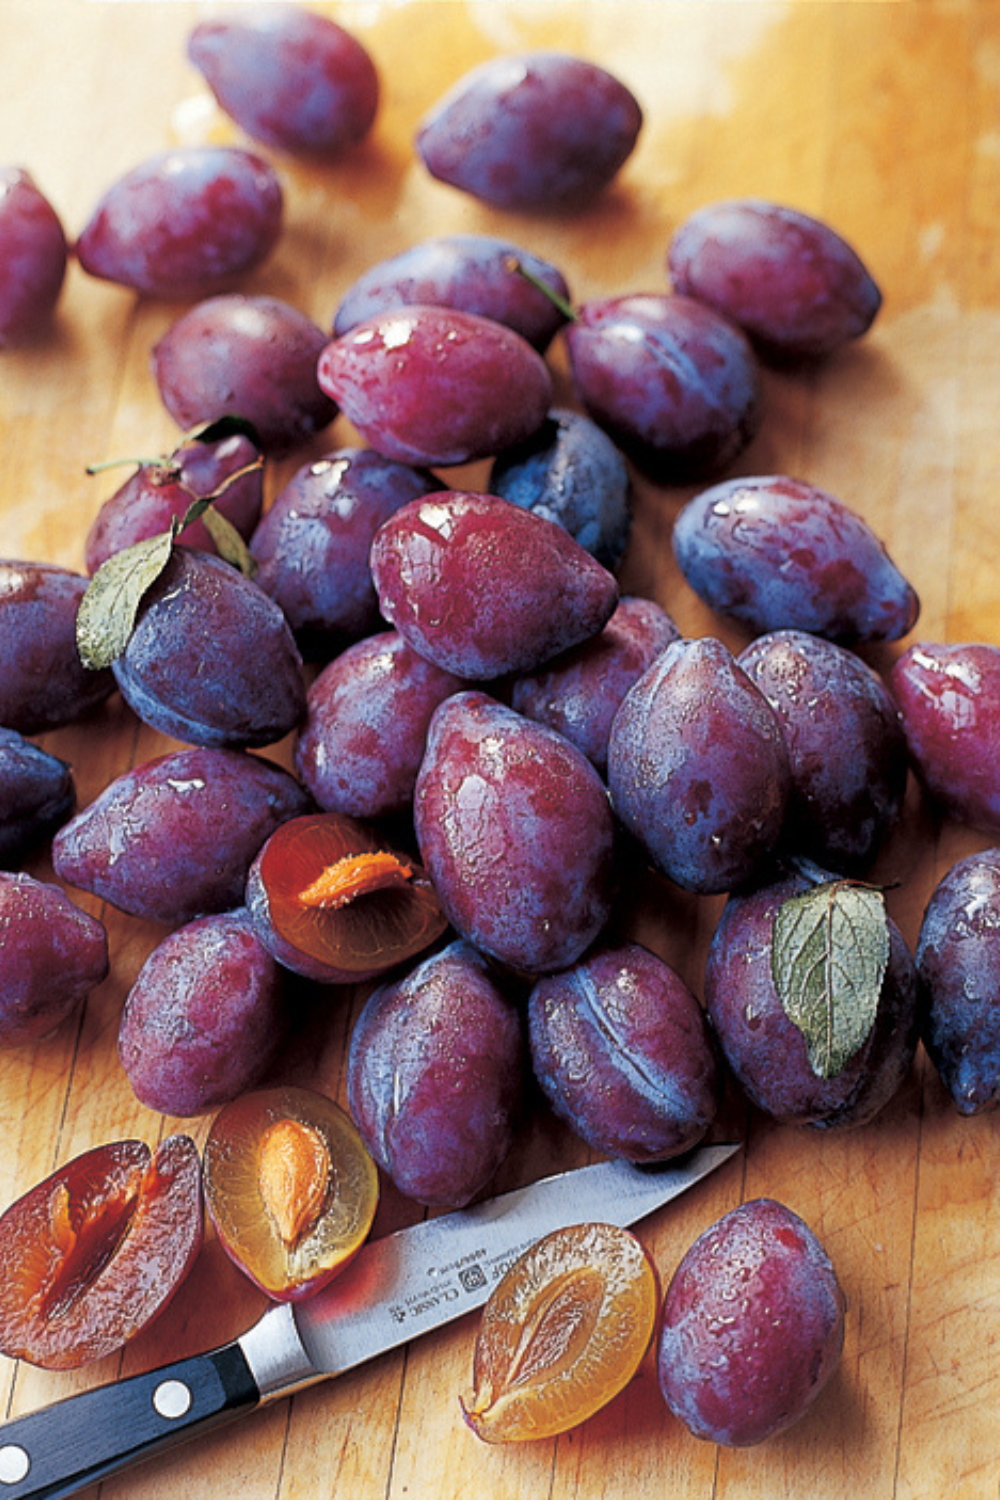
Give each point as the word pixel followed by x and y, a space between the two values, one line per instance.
pixel 883 118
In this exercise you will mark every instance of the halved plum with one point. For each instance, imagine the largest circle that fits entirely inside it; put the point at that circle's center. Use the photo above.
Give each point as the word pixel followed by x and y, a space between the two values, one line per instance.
pixel 290 1188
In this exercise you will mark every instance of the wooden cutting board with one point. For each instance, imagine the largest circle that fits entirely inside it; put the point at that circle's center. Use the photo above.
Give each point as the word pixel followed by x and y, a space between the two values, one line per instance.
pixel 883 118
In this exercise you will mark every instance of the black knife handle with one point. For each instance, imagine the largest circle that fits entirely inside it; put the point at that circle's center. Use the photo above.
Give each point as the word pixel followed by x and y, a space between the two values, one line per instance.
pixel 74 1442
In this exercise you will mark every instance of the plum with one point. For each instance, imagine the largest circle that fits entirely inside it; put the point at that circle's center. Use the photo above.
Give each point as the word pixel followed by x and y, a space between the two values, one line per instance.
pixel 32 256
pixel 531 131
pixel 775 553
pixel 185 223
pixel 579 692
pixel 788 279
pixel 481 587
pixel 697 767
pixel 53 956
pixel 845 745
pixel 37 795
pixel 753 1326
pixel 211 660
pixel 312 547
pixel 958 965
pixel 624 1055
pixel 252 357
pixel 435 1076
pixel 767 1051
pixel 516 833
pixel 367 714
pixel 44 683
pixel 948 696
pixel 174 838
pixel 204 1019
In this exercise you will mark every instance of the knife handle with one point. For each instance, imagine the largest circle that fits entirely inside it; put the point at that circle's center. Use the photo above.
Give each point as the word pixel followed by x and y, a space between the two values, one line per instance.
pixel 76 1441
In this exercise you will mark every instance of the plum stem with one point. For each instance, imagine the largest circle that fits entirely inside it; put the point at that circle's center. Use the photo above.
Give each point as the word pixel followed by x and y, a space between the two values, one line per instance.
pixel 517 266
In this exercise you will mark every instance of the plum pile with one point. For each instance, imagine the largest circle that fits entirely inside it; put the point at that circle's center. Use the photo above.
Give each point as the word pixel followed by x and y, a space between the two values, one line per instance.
pixel 491 739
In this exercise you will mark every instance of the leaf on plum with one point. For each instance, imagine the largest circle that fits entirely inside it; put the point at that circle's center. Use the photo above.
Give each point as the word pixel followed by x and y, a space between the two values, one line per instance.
pixel 829 956
pixel 107 613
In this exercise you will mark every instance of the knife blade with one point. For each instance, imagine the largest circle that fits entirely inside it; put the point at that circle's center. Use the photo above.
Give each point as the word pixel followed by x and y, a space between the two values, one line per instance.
pixel 397 1288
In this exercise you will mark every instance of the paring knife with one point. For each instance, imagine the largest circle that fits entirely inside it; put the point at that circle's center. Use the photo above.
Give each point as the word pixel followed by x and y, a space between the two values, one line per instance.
pixel 395 1289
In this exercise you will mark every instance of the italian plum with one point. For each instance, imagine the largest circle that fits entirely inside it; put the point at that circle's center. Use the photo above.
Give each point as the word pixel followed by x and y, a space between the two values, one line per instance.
pixel 571 472
pixel 845 746
pixel 753 1326
pixel 290 1188
pixel 211 660
pixel 37 795
pixel 435 1076
pixel 159 492
pixel 53 956
pixel 481 587
pixel 434 386
pixel 470 272
pixel 697 767
pixel 291 78
pixel 367 713
pixel 623 1053
pixel 32 256
pixel 185 223
pixel 204 1018
pixel 537 131
pixel 789 280
pixel 959 969
pixel 768 1052
pixel 579 692
pixel 44 683
pixel 674 383
pixel 253 357
pixel 174 838
pixel 95 1252
pixel 778 553
pixel 515 829
pixel 330 900
pixel 948 696
pixel 312 547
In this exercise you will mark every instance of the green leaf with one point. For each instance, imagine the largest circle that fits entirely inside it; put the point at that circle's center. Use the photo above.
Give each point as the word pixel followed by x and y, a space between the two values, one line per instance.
pixel 106 616
pixel 231 546
pixel 829 956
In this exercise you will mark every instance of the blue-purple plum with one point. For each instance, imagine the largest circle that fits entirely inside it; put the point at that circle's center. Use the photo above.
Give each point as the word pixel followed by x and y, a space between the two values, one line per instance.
pixel 32 257
pixel 37 795
pixel 54 954
pixel 43 683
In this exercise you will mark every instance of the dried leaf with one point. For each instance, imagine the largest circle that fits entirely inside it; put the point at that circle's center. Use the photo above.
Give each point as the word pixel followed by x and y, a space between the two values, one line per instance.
pixel 829 956
pixel 230 545
pixel 106 616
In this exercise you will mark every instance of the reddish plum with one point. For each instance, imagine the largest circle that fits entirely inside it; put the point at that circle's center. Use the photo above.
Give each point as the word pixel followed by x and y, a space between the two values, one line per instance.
pixel 32 256
pixel 53 956
pixel 44 683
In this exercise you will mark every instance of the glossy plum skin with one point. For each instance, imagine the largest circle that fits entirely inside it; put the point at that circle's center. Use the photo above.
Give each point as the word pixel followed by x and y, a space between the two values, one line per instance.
pixel 313 544
pixel 37 795
pixel 53 955
pixel 674 383
pixel 579 692
pixel 435 1076
pixel 204 1018
pixel 948 696
pixel 290 78
pixel 766 1051
pixel 158 493
pixel 253 357
pixel 959 971
pixel 43 683
pixel 481 587
pixel 623 1053
pixel 571 472
pixel 433 386
pixel 777 553
pixel 32 256
pixel 697 768
pixel 365 731
pixel 173 839
pixel 469 272
pixel 753 1326
pixel 789 280
pixel 537 131
pixel 516 833
pixel 185 223
pixel 248 689
pixel 845 746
